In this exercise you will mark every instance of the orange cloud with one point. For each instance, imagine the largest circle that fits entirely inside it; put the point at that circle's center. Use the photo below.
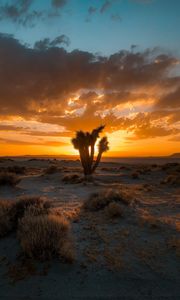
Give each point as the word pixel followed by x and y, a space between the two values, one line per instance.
pixel 48 93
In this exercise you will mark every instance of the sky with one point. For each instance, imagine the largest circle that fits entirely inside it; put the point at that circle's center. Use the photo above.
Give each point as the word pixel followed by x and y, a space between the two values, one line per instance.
pixel 68 65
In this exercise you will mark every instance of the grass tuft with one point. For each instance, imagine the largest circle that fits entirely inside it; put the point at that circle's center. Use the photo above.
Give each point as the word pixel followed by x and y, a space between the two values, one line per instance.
pixel 72 178
pixel 44 237
pixel 51 170
pixel 7 217
pixel 9 179
pixel 32 205
pixel 114 210
pixel 99 201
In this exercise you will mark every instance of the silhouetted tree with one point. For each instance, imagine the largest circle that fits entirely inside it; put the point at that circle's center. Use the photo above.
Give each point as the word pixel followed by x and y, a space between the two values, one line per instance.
pixel 85 142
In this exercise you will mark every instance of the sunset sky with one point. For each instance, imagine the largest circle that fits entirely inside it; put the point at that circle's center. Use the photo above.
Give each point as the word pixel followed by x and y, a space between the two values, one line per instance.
pixel 67 65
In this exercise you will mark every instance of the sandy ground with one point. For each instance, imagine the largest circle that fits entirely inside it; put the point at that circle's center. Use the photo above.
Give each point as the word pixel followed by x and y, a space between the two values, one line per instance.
pixel 136 256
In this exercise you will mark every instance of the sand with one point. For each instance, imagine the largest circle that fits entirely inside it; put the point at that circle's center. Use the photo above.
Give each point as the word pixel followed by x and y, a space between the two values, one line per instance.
pixel 131 257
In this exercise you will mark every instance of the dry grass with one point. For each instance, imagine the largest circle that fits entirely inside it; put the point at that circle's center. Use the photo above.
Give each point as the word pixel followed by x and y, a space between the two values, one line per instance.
pixel 46 236
pixel 173 179
pixel 150 221
pixel 12 212
pixel 174 243
pixel 33 205
pixel 135 175
pixel 10 179
pixel 7 217
pixel 51 170
pixel 72 178
pixel 114 210
pixel 17 170
pixel 99 201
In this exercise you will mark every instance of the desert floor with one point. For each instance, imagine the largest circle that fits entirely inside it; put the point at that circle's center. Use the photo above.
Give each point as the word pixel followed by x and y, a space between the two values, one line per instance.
pixel 135 256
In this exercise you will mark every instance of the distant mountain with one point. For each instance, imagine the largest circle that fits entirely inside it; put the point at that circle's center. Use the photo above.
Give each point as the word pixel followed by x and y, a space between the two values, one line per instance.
pixel 175 155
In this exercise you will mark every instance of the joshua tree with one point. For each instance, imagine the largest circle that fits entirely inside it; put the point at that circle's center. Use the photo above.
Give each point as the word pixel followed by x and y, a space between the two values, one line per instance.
pixel 85 143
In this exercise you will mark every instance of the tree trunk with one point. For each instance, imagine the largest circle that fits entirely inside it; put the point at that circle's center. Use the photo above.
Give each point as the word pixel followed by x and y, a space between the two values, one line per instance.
pixel 97 161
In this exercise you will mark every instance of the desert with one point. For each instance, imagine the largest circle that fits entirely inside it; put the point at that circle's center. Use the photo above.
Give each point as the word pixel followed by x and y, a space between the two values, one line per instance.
pixel 123 238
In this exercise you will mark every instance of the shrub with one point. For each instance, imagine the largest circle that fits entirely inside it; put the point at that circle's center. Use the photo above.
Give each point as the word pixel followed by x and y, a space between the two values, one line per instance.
pixel 11 212
pixel 7 178
pixel 17 170
pixel 44 237
pixel 114 210
pixel 7 217
pixel 173 179
pixel 72 178
pixel 135 175
pixel 51 170
pixel 98 201
pixel 33 205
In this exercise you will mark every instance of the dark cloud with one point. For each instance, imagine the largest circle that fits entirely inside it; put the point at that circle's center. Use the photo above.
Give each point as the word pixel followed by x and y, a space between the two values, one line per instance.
pixel 47 43
pixel 38 83
pixel 22 12
pixel 19 12
pixel 106 5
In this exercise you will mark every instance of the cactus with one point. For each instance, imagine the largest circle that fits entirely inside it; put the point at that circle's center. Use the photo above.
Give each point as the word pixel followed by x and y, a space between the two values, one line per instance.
pixel 85 143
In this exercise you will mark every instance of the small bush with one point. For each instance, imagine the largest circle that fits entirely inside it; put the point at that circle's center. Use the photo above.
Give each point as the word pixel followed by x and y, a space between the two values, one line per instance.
pixel 150 221
pixel 7 217
pixel 12 212
pixel 114 210
pixel 17 170
pixel 98 201
pixel 51 170
pixel 135 175
pixel 44 237
pixel 72 178
pixel 10 179
pixel 33 205
pixel 173 179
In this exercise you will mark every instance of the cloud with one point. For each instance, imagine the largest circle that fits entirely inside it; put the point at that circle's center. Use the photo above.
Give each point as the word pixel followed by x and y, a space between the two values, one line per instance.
pixel 59 3
pixel 175 139
pixel 170 100
pixel 31 143
pixel 92 10
pixel 47 43
pixel 106 5
pixel 22 12
pixel 116 17
pixel 51 85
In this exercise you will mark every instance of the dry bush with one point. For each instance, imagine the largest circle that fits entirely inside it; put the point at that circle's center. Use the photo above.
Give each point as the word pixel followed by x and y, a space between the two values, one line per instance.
pixel 114 210
pixel 33 205
pixel 46 236
pixel 173 179
pixel 10 179
pixel 135 175
pixel 151 221
pixel 98 201
pixel 7 217
pixel 51 170
pixel 17 170
pixel 72 178
pixel 11 212
pixel 174 243
pixel 109 169
pixel 170 166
